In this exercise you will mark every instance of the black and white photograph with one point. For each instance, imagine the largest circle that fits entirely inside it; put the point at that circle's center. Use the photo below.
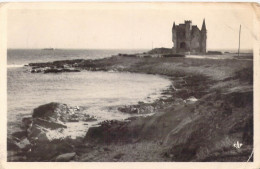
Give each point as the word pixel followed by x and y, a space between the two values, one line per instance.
pixel 130 82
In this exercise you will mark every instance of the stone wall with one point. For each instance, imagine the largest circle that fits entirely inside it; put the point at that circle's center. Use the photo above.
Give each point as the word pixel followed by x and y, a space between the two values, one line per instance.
pixel 195 40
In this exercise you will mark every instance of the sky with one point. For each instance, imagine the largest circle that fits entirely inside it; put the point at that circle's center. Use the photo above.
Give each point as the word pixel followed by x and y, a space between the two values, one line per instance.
pixel 125 25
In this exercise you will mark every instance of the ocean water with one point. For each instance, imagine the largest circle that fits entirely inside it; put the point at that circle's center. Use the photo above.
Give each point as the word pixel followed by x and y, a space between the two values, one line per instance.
pixel 18 57
pixel 95 92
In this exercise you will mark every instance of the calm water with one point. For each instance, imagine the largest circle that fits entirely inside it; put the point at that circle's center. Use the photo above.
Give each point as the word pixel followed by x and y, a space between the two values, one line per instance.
pixel 94 91
pixel 22 56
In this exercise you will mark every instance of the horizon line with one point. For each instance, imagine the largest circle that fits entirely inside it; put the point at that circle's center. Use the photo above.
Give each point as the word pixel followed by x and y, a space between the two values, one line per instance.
pixel 120 48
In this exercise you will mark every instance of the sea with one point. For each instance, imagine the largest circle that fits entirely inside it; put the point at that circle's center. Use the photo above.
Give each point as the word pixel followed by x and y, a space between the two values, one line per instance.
pixel 94 92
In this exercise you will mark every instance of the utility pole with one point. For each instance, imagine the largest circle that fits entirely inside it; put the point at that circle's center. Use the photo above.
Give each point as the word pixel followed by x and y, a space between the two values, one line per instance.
pixel 239 40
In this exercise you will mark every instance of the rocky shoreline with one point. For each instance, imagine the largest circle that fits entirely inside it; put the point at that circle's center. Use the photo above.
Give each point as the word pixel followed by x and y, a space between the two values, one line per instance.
pixel 43 133
pixel 200 120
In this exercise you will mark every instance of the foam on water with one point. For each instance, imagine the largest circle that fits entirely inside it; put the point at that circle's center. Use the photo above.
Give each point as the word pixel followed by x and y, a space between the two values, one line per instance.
pixel 14 66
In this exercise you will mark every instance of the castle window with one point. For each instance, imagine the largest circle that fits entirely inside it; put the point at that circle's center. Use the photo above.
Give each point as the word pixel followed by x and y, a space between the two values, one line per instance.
pixel 183 45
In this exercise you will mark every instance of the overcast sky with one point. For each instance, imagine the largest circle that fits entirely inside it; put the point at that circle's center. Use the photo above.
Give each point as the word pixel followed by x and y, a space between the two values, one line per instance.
pixel 125 25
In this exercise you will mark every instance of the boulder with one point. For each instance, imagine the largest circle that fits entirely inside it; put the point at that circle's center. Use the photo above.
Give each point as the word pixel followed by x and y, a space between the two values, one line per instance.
pixel 129 109
pixel 48 124
pixel 20 134
pixel 48 151
pixel 53 112
pixel 65 157
pixel 88 118
pixel 23 144
pixel 37 133
pixel 109 131
pixel 81 117
pixel 27 122
pixel 141 108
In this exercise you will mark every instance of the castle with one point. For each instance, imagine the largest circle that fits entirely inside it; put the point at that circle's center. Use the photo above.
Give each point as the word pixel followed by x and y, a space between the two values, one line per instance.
pixel 189 38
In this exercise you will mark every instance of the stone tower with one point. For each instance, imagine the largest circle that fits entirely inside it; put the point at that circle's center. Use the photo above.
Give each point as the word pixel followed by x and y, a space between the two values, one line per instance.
pixel 174 35
pixel 188 38
pixel 203 37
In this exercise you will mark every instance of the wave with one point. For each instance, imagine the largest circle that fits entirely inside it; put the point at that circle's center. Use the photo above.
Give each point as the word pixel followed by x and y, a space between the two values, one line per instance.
pixel 14 66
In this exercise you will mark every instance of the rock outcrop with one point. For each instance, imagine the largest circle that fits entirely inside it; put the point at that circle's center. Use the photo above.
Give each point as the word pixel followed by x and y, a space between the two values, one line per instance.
pixel 43 132
pixel 54 112
pixel 109 131
pixel 137 109
pixel 55 67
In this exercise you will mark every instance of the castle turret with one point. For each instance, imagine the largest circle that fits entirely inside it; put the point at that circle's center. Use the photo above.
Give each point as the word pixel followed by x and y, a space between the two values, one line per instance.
pixel 187 24
pixel 173 26
pixel 203 28
pixel 174 35
pixel 203 41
